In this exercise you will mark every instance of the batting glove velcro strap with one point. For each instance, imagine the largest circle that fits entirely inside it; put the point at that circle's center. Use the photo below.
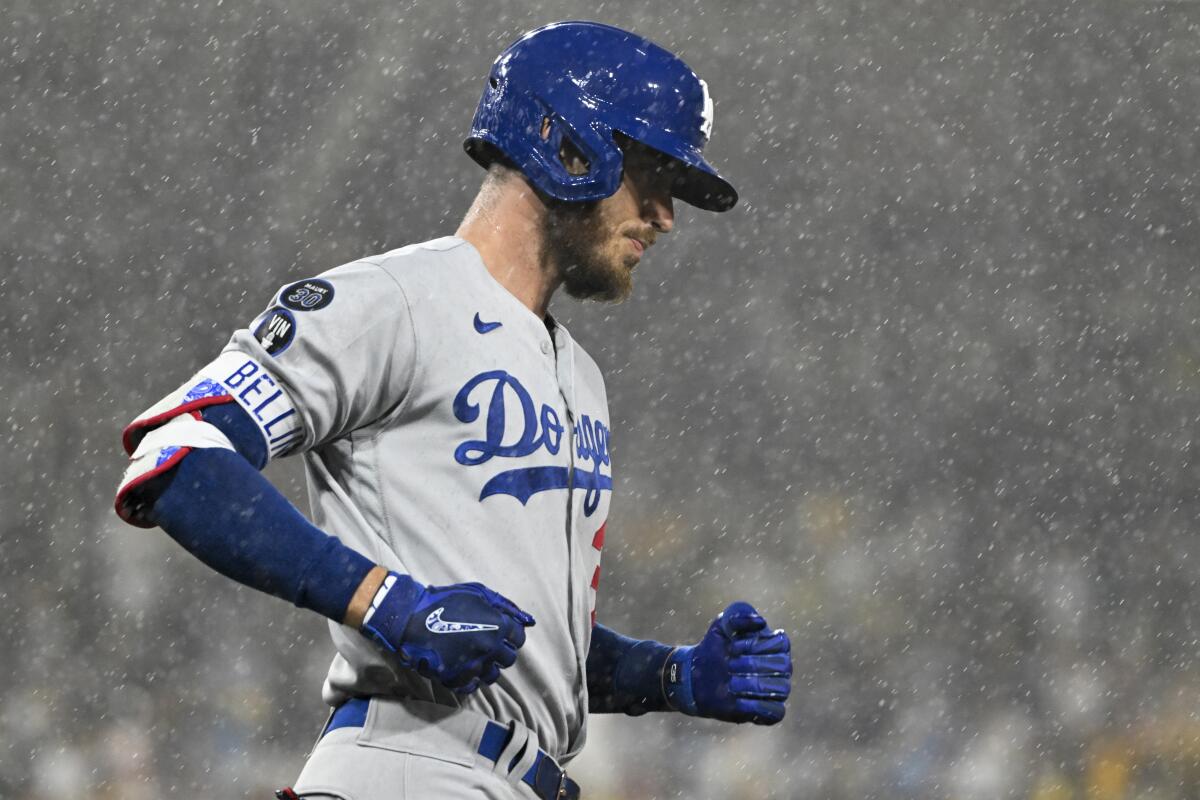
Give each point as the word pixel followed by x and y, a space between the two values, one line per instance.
pixel 739 672
pixel 460 636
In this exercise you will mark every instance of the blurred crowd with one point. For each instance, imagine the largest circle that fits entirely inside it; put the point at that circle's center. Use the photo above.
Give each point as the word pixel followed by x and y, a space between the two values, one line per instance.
pixel 906 685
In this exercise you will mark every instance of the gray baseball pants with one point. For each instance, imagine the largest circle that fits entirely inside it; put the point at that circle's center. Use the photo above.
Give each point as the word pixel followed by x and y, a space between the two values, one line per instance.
pixel 413 750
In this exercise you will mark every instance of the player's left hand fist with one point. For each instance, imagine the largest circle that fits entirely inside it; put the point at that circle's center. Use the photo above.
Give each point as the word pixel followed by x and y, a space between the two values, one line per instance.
pixel 739 672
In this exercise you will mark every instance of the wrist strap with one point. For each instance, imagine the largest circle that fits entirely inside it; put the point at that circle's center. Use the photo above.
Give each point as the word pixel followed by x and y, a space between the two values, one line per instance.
pixel 677 681
pixel 672 667
pixel 380 593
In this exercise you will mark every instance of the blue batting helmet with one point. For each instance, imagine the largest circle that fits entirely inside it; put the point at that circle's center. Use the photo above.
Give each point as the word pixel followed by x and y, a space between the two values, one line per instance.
pixel 589 81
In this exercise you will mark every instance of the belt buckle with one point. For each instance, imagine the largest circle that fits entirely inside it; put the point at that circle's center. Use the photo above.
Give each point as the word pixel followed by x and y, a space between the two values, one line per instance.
pixel 562 785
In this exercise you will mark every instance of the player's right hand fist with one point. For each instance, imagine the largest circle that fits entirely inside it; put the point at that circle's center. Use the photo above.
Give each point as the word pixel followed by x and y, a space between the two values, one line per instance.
pixel 460 635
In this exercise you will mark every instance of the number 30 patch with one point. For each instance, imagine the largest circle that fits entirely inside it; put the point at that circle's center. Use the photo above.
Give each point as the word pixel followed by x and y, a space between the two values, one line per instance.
pixel 308 295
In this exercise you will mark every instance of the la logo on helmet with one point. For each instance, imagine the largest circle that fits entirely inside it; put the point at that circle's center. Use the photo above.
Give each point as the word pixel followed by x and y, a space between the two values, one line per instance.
pixel 706 116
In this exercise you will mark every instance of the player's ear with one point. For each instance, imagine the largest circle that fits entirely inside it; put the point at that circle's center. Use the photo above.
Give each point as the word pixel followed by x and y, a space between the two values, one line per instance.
pixel 572 159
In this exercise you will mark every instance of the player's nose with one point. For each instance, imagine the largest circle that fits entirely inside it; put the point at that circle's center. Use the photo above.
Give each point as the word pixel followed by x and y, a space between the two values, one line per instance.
pixel 658 210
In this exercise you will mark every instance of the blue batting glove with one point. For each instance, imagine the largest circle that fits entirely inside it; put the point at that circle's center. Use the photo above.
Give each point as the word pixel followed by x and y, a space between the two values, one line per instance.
pixel 460 636
pixel 739 672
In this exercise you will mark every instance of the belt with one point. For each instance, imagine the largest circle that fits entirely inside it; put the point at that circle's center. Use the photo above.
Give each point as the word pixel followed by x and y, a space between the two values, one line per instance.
pixel 545 777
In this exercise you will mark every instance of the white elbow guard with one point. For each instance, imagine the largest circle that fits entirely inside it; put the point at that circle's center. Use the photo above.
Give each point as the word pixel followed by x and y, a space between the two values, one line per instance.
pixel 160 450
pixel 167 431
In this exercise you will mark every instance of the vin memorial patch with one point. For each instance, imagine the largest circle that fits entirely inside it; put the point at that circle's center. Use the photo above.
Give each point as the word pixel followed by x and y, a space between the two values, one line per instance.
pixel 275 330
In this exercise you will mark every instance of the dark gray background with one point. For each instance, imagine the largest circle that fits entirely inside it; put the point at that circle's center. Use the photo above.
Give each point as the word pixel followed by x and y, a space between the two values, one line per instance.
pixel 928 395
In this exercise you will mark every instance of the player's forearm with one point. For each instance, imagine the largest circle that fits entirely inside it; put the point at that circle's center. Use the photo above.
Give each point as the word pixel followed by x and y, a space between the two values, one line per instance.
pixel 224 512
pixel 625 676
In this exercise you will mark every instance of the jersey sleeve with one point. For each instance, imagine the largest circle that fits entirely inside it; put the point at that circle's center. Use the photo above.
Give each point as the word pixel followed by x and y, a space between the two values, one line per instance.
pixel 341 350
pixel 330 354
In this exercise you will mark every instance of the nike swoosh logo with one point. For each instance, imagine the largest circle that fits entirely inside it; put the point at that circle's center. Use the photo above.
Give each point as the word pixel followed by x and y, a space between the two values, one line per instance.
pixel 435 624
pixel 485 327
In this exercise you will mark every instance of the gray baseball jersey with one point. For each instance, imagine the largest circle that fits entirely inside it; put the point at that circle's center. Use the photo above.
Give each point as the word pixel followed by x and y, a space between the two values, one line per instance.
pixel 451 434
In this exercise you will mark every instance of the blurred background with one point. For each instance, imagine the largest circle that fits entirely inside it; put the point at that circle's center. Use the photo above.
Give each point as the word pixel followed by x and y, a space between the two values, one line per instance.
pixel 928 395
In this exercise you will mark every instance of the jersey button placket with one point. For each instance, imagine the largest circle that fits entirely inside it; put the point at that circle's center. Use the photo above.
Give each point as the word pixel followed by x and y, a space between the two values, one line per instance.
pixel 564 363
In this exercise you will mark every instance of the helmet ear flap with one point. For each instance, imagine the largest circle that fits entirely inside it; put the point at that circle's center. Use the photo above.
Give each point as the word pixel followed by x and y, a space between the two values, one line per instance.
pixel 547 130
pixel 584 160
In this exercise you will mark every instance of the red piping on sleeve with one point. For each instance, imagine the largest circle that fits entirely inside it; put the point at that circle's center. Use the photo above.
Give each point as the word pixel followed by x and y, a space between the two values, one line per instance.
pixel 120 505
pixel 134 432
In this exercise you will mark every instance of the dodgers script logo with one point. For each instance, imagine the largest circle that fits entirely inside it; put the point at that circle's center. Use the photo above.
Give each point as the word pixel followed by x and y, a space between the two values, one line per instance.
pixel 532 432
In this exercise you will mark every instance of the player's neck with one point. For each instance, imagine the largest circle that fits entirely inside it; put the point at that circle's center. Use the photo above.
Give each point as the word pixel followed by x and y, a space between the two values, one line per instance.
pixel 504 224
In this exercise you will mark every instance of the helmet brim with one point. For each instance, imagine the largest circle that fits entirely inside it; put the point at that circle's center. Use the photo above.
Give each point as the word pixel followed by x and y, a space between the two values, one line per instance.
pixel 698 184
pixel 702 187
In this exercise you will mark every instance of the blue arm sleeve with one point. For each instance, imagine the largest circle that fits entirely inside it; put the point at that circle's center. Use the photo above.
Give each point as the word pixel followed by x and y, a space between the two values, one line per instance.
pixel 624 676
pixel 241 431
pixel 221 510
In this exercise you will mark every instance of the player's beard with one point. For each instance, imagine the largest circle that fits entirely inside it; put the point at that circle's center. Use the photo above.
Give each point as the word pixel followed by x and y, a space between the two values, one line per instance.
pixel 579 240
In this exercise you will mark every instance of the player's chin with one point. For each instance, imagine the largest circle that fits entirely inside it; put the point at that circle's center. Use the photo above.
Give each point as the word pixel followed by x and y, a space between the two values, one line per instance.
pixel 619 287
pixel 610 284
pixel 620 278
pixel 610 293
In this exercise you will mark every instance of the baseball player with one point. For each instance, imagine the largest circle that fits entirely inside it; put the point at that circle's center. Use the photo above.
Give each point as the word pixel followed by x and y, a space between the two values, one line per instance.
pixel 456 444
